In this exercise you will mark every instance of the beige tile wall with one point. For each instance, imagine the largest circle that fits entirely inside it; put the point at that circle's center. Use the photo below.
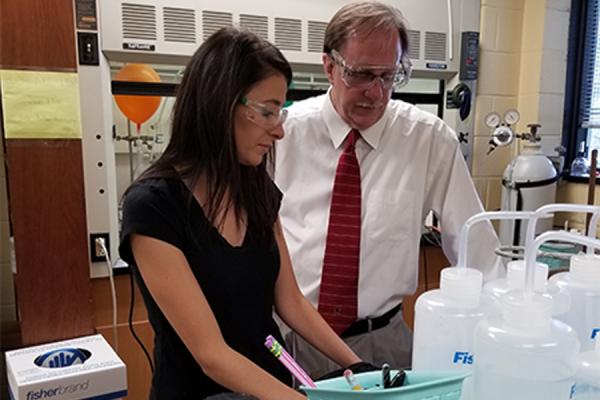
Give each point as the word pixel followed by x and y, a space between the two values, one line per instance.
pixel 523 58
pixel 498 90
pixel 7 294
pixel 553 74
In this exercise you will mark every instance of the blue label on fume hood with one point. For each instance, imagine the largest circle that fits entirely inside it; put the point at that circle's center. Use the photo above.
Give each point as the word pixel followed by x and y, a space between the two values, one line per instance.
pixel 595 332
pixel 436 65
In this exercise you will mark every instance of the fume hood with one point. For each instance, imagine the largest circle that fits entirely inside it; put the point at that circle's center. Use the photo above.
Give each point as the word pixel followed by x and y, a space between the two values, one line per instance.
pixel 169 31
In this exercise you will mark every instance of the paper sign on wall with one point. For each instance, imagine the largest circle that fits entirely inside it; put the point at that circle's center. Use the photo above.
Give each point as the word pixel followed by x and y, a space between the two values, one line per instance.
pixel 40 105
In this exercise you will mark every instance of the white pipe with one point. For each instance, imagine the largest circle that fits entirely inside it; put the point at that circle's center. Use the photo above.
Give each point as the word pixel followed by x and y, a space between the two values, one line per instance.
pixel 483 216
pixel 592 229
pixel 594 224
pixel 450 32
pixel 551 208
pixel 531 252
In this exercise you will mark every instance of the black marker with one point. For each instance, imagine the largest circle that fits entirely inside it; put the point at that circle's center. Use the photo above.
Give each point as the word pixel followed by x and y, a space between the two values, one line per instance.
pixel 385 375
pixel 398 379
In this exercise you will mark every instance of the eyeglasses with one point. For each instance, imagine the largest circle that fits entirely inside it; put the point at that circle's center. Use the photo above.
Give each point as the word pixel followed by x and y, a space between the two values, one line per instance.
pixel 266 116
pixel 362 77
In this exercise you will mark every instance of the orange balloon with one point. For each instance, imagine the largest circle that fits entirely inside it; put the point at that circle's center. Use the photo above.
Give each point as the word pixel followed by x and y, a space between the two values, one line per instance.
pixel 137 108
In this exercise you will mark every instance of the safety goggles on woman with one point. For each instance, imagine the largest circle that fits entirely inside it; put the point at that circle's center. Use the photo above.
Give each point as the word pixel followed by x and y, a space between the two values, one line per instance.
pixel 267 116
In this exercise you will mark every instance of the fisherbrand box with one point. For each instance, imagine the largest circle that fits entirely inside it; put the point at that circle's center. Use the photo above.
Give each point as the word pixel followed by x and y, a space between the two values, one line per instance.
pixel 81 368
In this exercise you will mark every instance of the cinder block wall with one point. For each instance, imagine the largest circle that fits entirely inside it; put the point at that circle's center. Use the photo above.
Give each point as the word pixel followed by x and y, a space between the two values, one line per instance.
pixel 523 46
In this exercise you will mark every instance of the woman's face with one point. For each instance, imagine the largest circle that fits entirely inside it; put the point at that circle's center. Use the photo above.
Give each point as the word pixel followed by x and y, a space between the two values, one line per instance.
pixel 258 119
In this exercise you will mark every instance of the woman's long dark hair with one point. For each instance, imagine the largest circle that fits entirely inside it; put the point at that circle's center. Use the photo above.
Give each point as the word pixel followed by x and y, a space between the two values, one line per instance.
pixel 220 73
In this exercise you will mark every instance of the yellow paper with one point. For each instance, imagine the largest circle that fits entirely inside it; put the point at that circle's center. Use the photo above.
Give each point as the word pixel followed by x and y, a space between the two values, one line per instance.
pixel 40 105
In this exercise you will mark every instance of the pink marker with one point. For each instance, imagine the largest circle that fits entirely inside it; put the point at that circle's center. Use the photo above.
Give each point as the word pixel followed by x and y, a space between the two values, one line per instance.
pixel 287 360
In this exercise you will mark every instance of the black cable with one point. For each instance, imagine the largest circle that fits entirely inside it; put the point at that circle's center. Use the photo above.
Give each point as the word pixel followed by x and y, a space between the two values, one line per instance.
pixel 135 336
pixel 424 251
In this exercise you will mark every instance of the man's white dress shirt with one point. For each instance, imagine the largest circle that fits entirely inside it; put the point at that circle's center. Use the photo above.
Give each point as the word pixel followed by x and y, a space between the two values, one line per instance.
pixel 410 163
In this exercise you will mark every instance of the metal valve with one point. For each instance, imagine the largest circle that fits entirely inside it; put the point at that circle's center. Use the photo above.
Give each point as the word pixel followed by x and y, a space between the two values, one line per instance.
pixel 532 135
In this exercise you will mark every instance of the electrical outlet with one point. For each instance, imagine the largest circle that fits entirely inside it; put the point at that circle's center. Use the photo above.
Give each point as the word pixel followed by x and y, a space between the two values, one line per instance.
pixel 96 251
pixel 87 44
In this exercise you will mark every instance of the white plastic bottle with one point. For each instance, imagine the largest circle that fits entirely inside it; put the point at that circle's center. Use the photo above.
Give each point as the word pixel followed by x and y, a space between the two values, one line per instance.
pixel 582 284
pixel 445 321
pixel 577 316
pixel 587 379
pixel 525 354
pixel 515 280
pixel 445 318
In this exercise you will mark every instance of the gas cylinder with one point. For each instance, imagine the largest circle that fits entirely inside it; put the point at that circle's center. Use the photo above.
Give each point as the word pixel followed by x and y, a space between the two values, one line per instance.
pixel 528 182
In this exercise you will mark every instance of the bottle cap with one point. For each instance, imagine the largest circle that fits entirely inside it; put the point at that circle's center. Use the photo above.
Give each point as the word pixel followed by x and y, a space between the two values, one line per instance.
pixel 463 284
pixel 532 315
pixel 585 267
pixel 515 276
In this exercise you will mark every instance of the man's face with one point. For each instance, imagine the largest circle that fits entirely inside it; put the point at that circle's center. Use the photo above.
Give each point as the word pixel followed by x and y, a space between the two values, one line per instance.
pixel 376 55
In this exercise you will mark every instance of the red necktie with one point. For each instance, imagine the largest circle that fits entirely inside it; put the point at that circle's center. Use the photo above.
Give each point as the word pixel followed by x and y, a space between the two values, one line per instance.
pixel 338 302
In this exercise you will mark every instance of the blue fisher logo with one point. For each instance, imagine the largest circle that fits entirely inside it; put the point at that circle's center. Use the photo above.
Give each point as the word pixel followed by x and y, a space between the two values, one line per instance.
pixel 60 358
pixel 573 391
pixel 462 357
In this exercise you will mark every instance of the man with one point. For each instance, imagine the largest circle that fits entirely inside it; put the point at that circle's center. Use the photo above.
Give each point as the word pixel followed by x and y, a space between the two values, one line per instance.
pixel 360 173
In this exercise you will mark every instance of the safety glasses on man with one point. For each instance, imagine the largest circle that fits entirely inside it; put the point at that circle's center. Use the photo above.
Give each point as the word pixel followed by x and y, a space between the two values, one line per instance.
pixel 362 77
pixel 267 116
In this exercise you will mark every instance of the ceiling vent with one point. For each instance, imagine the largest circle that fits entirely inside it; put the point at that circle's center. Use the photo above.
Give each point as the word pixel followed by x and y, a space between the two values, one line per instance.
pixel 138 21
pixel 435 46
pixel 179 25
pixel 212 21
pixel 258 24
pixel 316 36
pixel 288 34
pixel 414 45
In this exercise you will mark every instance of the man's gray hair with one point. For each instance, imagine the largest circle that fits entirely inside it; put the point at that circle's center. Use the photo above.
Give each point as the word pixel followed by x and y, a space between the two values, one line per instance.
pixel 364 18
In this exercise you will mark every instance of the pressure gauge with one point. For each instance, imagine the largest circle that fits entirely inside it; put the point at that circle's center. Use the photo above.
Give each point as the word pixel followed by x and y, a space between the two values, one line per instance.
pixel 503 136
pixel 511 117
pixel 492 120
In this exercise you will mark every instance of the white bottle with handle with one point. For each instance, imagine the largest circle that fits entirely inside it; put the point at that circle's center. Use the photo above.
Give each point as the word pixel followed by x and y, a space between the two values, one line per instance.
pixel 582 285
pixel 445 318
pixel 525 354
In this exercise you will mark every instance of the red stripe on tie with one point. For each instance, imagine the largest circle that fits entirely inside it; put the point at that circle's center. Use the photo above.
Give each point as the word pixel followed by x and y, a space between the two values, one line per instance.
pixel 338 302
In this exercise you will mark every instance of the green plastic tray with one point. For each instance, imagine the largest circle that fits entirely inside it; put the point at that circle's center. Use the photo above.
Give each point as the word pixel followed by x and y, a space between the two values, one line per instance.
pixel 417 386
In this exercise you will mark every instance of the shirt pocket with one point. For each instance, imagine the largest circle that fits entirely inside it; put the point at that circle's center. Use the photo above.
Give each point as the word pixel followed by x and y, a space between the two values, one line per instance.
pixel 389 215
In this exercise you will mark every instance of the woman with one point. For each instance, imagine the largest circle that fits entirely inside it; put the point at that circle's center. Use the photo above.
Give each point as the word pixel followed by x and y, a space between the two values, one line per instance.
pixel 200 228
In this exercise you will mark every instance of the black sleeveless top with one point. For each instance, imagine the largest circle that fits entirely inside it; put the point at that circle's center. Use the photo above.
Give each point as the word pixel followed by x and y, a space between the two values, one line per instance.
pixel 238 283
